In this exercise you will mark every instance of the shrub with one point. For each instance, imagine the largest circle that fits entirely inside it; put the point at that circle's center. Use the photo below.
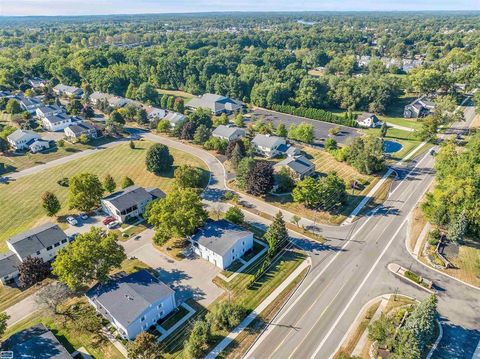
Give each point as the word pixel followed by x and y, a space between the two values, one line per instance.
pixel 63 182
pixel 410 275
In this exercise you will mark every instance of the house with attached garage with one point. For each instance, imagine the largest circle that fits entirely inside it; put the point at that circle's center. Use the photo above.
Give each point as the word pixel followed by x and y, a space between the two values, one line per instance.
pixel 74 131
pixel 43 242
pixel 34 342
pixel 154 113
pixel 29 104
pixel 58 122
pixel 419 108
pixel 117 101
pixel 49 110
pixel 132 303
pixel 130 202
pixel 299 166
pixel 69 91
pixel 37 82
pixel 39 145
pixel 269 146
pixel 22 139
pixel 228 133
pixel 97 97
pixel 222 242
pixel 369 120
pixel 174 118
pixel 217 104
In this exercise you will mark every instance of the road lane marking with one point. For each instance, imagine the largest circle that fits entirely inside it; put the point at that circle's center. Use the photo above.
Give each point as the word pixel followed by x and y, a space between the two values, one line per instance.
pixel 332 328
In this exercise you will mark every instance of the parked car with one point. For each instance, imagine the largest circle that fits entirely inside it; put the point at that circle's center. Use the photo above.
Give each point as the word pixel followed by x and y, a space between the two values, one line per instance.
pixel 72 221
pixel 113 225
pixel 108 220
pixel 83 216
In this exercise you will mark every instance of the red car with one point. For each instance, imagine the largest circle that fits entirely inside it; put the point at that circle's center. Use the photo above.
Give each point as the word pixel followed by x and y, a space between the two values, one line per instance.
pixel 108 220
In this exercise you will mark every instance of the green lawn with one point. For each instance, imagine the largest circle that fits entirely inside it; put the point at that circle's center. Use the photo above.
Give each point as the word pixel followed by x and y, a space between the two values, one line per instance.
pixel 394 113
pixel 23 208
pixel 177 93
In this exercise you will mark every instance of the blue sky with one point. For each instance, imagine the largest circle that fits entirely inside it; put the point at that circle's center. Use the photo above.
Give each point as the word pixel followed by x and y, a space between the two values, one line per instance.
pixel 79 7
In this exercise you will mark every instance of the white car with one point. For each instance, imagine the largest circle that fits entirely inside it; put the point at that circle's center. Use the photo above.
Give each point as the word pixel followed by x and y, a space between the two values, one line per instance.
pixel 83 216
pixel 72 221
pixel 113 224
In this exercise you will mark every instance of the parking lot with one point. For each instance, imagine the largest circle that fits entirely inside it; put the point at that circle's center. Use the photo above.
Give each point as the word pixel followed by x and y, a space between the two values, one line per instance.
pixel 320 128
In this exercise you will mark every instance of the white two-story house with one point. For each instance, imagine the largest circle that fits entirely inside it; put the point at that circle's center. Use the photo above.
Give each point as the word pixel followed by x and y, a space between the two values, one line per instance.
pixel 130 202
pixel 133 303
pixel 21 139
pixel 269 146
pixel 49 110
pixel 222 242
pixel 56 122
pixel 43 242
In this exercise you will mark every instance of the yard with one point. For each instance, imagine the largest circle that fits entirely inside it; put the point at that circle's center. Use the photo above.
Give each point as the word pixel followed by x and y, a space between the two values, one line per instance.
pixel 177 93
pixel 23 208
pixel 394 113
pixel 15 162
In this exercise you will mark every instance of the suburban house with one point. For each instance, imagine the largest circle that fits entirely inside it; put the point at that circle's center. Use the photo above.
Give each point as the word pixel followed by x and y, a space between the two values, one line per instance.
pixel 56 122
pixel 154 113
pixel 69 91
pixel 74 131
pixel 222 242
pixel 97 97
pixel 29 104
pixel 43 242
pixel 39 145
pixel 419 108
pixel 34 342
pixel 269 146
pixel 174 118
pixel 22 139
pixel 369 120
pixel 49 110
pixel 130 202
pixel 116 101
pixel 37 82
pixel 132 303
pixel 228 133
pixel 216 103
pixel 299 166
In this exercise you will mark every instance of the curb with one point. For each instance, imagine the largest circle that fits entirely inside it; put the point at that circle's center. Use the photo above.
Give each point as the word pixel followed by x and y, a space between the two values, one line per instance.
pixel 407 279
pixel 439 338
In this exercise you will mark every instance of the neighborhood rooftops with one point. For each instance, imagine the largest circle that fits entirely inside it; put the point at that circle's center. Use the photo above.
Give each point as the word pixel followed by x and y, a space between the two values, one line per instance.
pixel 267 141
pixel 215 103
pixel 44 110
pixel 219 236
pixel 81 127
pixel 35 342
pixel 67 89
pixel 28 101
pixel 174 117
pixel 128 197
pixel 19 134
pixel 28 243
pixel 299 164
pixel 227 131
pixel 57 117
pixel 126 297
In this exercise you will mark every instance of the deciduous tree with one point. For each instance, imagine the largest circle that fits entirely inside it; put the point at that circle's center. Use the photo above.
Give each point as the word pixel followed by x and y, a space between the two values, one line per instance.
pixel 85 192
pixel 158 159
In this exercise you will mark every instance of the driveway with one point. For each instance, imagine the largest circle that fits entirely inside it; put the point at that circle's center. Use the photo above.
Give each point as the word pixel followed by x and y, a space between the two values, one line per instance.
pixel 190 278
pixel 320 128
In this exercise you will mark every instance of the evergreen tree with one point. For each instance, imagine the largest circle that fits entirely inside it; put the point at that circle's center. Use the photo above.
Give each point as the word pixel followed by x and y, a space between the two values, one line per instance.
pixel 276 235
pixel 109 183
pixel 51 203
pixel 383 129
pixel 281 130
pixel 236 157
pixel 127 182
pixel 422 322
pixel 456 231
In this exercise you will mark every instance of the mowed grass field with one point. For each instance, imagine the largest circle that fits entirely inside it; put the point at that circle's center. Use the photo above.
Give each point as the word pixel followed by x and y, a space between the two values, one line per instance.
pixel 21 199
pixel 176 93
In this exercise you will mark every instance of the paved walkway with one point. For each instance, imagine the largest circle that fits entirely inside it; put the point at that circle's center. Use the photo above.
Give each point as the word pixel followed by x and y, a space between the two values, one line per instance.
pixel 399 127
pixel 21 310
pixel 251 317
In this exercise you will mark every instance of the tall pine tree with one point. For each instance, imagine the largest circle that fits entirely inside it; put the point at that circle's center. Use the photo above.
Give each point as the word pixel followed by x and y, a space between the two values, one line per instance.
pixel 277 235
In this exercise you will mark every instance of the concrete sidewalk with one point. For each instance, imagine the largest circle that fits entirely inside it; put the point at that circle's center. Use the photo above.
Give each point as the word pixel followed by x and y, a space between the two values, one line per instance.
pixel 251 317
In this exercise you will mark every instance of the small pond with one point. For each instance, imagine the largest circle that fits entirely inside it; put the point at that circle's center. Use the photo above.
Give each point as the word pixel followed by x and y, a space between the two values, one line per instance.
pixel 391 146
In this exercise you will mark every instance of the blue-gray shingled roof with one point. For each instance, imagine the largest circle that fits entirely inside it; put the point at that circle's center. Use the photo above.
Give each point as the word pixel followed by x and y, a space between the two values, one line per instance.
pixel 8 263
pixel 29 242
pixel 300 164
pixel 126 297
pixel 220 236
pixel 128 197
pixel 36 342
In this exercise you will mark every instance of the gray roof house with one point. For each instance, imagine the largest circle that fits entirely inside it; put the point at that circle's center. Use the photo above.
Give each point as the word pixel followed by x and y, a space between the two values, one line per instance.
pixel 369 120
pixel 132 303
pixel 65 90
pixel 216 103
pixel 97 97
pixel 222 242
pixel 35 342
pixel 299 166
pixel 56 122
pixel 174 118
pixel 154 113
pixel 130 202
pixel 37 82
pixel 43 242
pixel 29 104
pixel 49 110
pixel 75 130
pixel 22 139
pixel 269 146
pixel 229 133
pixel 420 107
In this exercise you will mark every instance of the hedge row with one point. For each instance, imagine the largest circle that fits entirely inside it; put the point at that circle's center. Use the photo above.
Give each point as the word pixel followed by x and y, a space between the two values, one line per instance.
pixel 315 114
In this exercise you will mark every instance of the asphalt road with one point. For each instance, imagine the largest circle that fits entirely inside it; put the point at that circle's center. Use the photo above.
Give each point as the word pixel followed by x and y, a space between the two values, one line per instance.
pixel 348 273
pixel 320 128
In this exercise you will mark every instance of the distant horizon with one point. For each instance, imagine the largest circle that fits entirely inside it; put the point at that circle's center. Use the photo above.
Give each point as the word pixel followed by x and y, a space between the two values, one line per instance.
pixel 41 8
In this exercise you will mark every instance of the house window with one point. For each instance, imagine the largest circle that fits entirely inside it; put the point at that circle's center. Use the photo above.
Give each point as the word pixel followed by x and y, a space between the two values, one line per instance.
pixel 64 240
pixel 142 318
pixel 38 253
pixel 49 248
pixel 160 305
pixel 56 244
